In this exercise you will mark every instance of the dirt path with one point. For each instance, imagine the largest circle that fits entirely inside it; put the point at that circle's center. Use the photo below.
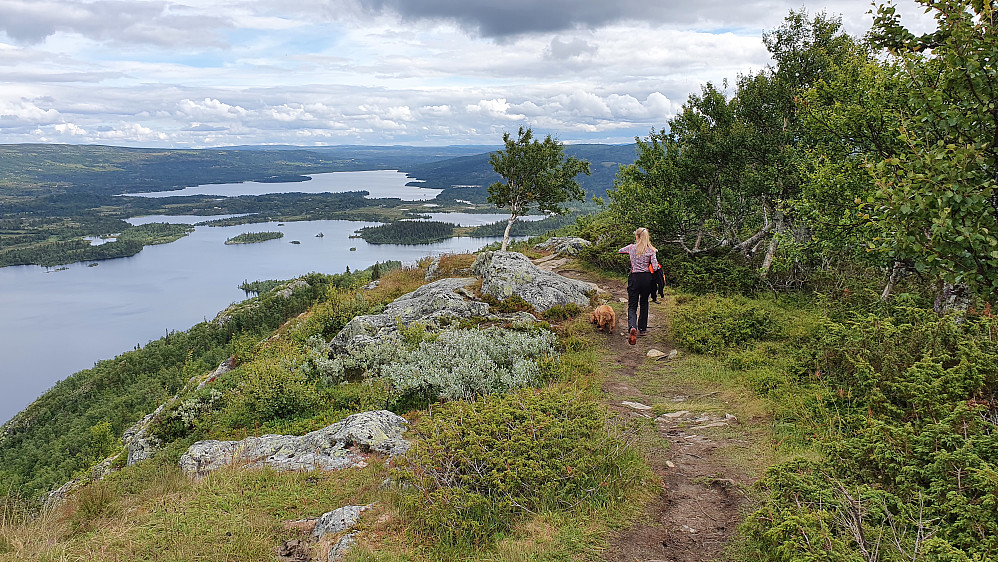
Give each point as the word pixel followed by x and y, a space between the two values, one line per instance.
pixel 696 447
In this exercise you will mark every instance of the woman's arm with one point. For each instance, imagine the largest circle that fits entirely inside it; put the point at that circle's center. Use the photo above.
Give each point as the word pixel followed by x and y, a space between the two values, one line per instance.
pixel 625 250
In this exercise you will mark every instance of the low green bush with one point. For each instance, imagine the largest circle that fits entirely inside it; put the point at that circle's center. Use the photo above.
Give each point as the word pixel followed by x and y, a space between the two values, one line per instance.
pixel 476 468
pixel 711 324
pixel 269 391
pixel 910 436
pixel 559 312
pixel 721 273
pixel 508 305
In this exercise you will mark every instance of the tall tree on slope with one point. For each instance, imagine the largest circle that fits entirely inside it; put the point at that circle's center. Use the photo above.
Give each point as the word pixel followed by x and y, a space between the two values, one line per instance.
pixel 536 175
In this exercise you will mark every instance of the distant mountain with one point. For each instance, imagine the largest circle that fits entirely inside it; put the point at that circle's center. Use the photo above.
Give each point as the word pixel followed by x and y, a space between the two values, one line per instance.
pixel 34 170
pixel 40 169
pixel 468 177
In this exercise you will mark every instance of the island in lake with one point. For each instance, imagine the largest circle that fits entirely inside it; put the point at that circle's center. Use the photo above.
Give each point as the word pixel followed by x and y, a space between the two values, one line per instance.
pixel 254 237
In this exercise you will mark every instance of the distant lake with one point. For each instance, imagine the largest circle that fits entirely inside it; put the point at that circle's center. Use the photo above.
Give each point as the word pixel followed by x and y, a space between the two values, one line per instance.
pixel 379 184
pixel 54 323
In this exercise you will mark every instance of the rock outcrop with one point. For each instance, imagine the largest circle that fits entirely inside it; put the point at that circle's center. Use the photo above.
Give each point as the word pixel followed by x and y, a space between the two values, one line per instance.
pixel 338 520
pixel 140 443
pixel 505 274
pixel 566 245
pixel 435 304
pixel 341 445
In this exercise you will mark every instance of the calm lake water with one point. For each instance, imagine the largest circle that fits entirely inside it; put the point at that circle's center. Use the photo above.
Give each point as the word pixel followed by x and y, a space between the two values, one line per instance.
pixel 380 183
pixel 55 322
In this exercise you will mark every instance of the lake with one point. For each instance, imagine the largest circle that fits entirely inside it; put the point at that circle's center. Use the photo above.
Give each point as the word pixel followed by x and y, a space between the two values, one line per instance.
pixel 379 184
pixel 56 322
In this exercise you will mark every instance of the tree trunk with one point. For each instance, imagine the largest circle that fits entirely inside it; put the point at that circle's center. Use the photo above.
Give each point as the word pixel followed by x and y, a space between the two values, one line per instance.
pixel 896 272
pixel 767 262
pixel 505 235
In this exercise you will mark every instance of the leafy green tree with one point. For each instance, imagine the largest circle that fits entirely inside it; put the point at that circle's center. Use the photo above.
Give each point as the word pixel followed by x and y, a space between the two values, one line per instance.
pixel 726 172
pixel 536 175
pixel 938 196
pixel 851 117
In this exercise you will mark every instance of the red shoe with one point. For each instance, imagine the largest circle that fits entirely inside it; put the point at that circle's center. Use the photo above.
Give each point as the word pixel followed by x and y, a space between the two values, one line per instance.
pixel 632 338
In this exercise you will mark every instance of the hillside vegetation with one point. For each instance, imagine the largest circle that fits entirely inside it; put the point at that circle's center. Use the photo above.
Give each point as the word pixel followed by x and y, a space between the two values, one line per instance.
pixel 828 232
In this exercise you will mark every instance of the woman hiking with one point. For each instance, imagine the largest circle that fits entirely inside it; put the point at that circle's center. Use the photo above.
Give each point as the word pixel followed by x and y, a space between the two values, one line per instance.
pixel 640 283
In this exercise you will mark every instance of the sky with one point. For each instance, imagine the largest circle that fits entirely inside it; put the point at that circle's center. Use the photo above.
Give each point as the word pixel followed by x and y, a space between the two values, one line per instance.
pixel 206 73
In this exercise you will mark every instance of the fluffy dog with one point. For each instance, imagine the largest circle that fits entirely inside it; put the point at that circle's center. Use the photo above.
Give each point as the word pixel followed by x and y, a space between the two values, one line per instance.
pixel 604 318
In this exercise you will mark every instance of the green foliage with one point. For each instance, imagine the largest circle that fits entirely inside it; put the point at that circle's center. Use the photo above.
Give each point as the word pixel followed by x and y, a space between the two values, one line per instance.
pixel 936 197
pixel 271 391
pixel 911 397
pixel 477 467
pixel 536 174
pixel 714 272
pixel 711 324
pixel 559 312
pixel 254 238
pixel 72 248
pixel 408 232
pixel 608 231
pixel 524 228
pixel 510 304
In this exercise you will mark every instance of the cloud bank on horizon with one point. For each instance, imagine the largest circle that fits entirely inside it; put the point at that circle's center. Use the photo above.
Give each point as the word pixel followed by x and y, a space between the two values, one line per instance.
pixel 203 73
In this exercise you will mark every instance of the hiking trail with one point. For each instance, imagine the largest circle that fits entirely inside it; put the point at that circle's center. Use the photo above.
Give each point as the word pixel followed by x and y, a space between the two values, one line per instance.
pixel 698 447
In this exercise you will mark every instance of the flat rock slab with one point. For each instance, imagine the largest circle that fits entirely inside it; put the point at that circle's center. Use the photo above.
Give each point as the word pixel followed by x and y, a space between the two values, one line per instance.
pixel 434 304
pixel 335 447
pixel 505 274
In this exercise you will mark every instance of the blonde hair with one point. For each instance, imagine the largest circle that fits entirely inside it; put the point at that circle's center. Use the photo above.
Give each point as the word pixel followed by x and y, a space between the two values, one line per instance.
pixel 643 241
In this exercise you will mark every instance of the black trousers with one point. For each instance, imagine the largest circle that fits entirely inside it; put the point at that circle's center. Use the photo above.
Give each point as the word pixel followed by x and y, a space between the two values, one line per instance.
pixel 639 287
pixel 659 282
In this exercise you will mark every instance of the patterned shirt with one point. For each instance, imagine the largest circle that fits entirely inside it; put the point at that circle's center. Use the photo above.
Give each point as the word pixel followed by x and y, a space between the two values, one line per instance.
pixel 640 263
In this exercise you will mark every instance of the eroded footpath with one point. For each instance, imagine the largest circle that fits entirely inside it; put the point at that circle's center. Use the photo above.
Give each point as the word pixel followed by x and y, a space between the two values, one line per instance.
pixel 706 442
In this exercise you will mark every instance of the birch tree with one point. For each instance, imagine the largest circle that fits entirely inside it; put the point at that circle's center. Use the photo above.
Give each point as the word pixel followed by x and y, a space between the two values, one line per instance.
pixel 536 176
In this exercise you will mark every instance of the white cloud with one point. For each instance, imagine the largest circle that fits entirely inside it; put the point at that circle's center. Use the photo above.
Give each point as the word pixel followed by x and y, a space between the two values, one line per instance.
pixel 70 129
pixel 218 72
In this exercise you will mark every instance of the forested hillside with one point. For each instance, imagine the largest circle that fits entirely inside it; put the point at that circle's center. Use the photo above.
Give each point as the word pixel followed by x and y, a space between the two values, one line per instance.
pixel 467 178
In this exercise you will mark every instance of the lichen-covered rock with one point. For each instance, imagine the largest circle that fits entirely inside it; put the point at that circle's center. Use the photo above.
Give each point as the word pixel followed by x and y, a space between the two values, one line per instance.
pixel 341 547
pixel 505 274
pixel 140 443
pixel 338 520
pixel 338 446
pixel 432 269
pixel 435 304
pixel 223 367
pixel 567 245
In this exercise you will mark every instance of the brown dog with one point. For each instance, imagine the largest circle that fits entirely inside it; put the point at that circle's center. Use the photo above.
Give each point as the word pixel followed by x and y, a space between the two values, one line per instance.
pixel 604 318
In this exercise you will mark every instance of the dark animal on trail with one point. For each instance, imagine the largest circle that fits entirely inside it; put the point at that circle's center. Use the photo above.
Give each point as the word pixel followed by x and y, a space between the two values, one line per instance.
pixel 604 318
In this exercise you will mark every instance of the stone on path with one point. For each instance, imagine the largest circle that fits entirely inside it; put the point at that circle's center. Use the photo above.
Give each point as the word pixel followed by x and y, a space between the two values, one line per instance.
pixel 655 354
pixel 636 406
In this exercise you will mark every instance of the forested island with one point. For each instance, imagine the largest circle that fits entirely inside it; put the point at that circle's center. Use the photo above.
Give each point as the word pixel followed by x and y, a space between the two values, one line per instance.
pixel 254 237
pixel 407 232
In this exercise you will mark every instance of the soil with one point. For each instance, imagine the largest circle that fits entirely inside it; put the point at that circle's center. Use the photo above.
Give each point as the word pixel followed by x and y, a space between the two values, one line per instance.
pixel 702 500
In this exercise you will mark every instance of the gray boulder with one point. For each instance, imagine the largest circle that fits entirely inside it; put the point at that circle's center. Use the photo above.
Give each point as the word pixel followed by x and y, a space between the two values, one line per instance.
pixel 435 304
pixel 341 547
pixel 338 446
pixel 505 274
pixel 338 520
pixel 566 245
pixel 140 443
